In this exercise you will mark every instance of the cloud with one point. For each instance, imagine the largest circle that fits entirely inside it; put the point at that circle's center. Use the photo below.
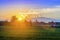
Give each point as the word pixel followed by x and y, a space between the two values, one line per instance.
pixel 58 6
pixel 46 12
pixel 39 10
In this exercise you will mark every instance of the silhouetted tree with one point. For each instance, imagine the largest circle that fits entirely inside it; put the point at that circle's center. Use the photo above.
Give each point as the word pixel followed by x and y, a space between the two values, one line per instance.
pixel 36 21
pixel 30 22
pixel 13 18
pixel 6 23
pixel 1 23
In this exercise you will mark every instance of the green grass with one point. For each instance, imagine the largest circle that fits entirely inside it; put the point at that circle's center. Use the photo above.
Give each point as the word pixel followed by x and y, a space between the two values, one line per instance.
pixel 38 34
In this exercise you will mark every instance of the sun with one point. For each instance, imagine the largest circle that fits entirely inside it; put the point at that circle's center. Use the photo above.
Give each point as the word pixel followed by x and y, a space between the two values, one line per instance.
pixel 21 17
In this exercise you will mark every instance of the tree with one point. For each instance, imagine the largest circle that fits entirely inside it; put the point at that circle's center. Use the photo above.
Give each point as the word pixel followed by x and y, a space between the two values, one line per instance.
pixel 13 19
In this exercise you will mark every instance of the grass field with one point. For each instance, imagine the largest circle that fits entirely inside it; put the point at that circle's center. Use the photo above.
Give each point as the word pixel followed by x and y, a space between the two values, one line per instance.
pixel 31 33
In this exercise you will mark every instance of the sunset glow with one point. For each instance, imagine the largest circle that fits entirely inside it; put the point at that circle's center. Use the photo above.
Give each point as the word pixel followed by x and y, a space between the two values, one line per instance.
pixel 21 17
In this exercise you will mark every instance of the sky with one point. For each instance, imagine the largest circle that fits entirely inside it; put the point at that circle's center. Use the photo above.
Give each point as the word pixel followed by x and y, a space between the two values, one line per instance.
pixel 46 8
